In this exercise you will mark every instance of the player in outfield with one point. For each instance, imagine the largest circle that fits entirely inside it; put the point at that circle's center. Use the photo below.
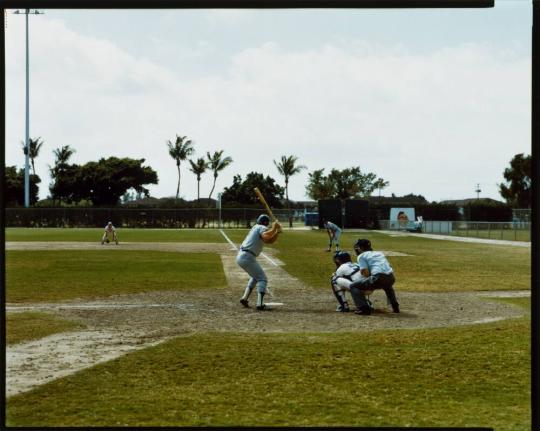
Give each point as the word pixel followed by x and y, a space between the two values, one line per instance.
pixel 334 233
pixel 378 274
pixel 346 273
pixel 252 246
pixel 109 231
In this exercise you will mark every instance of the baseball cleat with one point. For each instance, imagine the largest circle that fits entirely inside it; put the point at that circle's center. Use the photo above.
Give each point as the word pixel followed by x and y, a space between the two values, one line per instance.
pixel 364 311
pixel 244 302
pixel 395 307
pixel 342 309
pixel 262 307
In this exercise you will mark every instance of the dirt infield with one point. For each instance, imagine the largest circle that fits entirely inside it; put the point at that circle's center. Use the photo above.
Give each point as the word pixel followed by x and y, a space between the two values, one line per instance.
pixel 119 324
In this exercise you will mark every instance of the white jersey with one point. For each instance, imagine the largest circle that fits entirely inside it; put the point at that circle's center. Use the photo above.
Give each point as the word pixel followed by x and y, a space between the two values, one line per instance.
pixel 345 275
pixel 110 229
pixel 350 271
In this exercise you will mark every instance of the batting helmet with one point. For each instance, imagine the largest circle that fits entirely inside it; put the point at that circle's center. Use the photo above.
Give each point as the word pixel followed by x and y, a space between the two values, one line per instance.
pixel 342 257
pixel 362 245
pixel 263 219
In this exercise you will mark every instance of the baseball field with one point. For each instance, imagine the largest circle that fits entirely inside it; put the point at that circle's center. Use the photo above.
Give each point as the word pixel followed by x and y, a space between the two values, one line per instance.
pixel 150 332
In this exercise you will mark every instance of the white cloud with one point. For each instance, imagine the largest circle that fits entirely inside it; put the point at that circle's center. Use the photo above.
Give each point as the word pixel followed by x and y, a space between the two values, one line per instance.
pixel 434 123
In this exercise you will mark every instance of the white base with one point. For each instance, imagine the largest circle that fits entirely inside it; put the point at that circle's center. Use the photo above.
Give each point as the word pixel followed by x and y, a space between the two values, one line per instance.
pixel 273 303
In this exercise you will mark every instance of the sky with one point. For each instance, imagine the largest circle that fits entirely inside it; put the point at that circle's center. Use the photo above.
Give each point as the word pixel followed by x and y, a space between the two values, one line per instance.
pixel 435 101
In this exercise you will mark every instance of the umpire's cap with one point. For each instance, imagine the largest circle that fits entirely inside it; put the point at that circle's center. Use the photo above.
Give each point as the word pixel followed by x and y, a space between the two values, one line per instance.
pixel 263 219
pixel 364 244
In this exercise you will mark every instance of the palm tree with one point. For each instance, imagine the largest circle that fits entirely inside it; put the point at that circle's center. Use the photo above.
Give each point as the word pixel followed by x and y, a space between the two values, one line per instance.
pixel 198 168
pixel 380 184
pixel 287 167
pixel 62 156
pixel 217 164
pixel 34 146
pixel 180 150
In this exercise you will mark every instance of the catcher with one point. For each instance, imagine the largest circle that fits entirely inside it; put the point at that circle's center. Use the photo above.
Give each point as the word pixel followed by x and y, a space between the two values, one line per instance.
pixel 346 273
pixel 109 231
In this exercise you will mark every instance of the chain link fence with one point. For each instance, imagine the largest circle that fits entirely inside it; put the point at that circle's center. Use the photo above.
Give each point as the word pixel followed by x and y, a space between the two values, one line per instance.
pixel 510 231
pixel 140 218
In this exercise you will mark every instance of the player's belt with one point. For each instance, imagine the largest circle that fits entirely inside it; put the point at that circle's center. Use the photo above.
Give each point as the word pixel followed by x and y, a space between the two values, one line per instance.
pixel 248 251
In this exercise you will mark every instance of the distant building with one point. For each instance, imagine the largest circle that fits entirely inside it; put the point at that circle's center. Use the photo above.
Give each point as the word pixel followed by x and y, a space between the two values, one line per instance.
pixel 475 201
pixel 398 201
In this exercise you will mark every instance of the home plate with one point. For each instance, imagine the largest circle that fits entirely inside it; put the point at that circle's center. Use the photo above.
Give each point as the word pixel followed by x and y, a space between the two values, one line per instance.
pixel 273 303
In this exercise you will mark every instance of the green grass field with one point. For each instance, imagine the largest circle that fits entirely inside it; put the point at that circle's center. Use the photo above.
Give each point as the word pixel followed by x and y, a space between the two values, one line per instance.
pixel 61 274
pixel 476 376
pixel 433 265
pixel 444 377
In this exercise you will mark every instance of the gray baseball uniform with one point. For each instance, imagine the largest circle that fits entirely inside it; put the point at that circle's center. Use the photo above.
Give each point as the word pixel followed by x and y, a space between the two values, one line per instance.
pixel 247 260
pixel 109 231
pixel 336 234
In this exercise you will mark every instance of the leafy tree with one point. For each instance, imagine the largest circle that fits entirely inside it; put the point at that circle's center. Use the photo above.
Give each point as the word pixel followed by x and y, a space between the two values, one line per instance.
pixel 180 150
pixel 241 192
pixel 62 174
pixel 105 181
pixel 518 192
pixel 34 146
pixel 287 167
pixel 216 164
pixel 14 187
pixel 341 184
pixel 198 168
pixel 319 186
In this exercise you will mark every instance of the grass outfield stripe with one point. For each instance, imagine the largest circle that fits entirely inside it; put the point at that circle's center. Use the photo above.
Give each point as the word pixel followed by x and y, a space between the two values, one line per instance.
pixel 26 326
pixel 68 274
pixel 124 235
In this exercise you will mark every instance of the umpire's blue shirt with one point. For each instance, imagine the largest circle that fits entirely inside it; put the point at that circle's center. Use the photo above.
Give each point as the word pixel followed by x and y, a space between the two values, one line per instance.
pixel 375 262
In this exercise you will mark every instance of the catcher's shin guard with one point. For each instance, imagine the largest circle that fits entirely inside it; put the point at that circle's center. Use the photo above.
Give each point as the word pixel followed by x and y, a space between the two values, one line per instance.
pixel 340 296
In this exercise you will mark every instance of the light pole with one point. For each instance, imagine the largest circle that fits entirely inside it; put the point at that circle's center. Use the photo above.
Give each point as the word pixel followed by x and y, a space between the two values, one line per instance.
pixel 27 137
pixel 218 204
pixel 478 191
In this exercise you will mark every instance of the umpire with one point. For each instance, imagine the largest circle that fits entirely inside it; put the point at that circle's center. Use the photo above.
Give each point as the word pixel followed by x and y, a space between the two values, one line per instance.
pixel 378 275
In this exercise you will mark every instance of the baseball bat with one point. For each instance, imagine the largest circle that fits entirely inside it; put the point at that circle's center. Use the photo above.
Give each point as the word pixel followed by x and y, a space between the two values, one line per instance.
pixel 263 201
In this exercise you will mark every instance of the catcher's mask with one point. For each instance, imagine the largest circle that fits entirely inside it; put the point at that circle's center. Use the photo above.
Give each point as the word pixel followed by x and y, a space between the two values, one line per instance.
pixel 263 219
pixel 362 245
pixel 342 257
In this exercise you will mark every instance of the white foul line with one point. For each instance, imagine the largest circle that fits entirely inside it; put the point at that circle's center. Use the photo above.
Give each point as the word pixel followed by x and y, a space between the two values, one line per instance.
pixel 236 248
pixel 228 239
pixel 269 260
